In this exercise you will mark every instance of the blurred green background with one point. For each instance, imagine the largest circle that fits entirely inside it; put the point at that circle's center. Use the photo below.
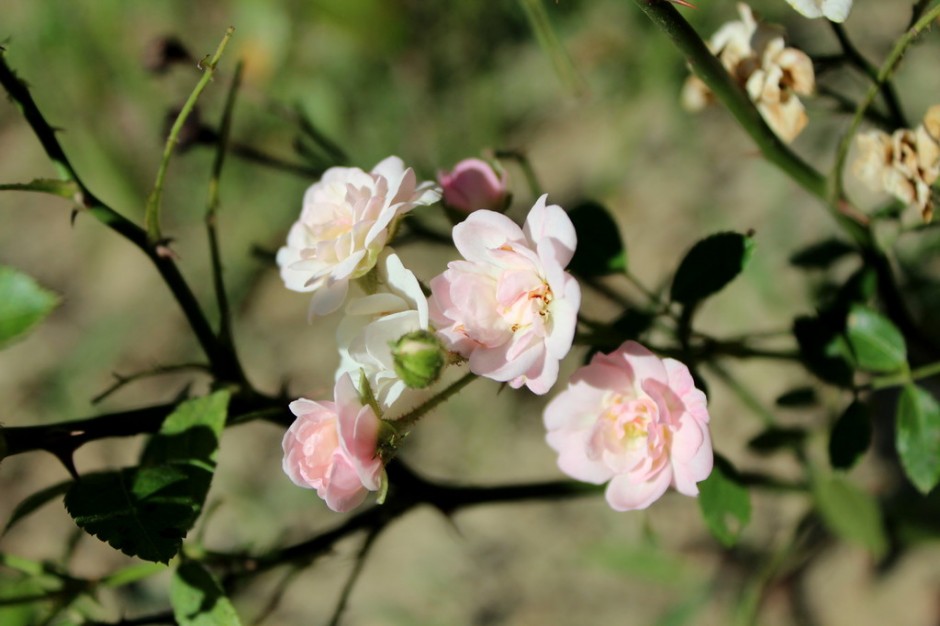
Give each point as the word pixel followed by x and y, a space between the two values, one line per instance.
pixel 433 82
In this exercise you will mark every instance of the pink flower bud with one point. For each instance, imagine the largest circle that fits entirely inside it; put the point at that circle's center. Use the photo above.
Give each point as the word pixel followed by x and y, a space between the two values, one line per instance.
pixel 474 185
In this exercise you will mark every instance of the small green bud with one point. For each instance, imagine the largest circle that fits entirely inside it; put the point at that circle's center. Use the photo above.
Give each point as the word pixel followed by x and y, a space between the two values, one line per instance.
pixel 419 358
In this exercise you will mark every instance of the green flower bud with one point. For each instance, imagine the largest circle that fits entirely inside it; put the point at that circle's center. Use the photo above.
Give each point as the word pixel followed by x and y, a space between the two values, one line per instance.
pixel 419 358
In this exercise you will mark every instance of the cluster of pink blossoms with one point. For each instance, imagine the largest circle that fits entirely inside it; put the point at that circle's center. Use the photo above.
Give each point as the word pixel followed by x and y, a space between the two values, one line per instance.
pixel 508 308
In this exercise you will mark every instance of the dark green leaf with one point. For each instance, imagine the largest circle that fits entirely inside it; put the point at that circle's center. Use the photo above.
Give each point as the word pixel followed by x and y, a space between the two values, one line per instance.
pixel 799 397
pixel 600 249
pixel 822 254
pixel 35 501
pixel 816 337
pixel 776 438
pixel 725 503
pixel 23 304
pixel 918 437
pixel 877 346
pixel 198 599
pixel 850 437
pixel 849 512
pixel 190 434
pixel 709 266
pixel 143 512
pixel 146 511
pixel 630 325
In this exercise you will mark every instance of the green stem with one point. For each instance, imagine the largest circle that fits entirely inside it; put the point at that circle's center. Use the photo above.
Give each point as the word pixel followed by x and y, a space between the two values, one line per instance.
pixel 219 357
pixel 406 421
pixel 707 67
pixel 710 70
pixel 552 46
pixel 743 393
pixel 896 380
pixel 212 207
pixel 520 157
pixel 836 187
pixel 856 58
pixel 152 213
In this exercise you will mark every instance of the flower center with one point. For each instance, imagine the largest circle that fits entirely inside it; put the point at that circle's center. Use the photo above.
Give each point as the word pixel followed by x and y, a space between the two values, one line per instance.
pixel 530 308
pixel 627 420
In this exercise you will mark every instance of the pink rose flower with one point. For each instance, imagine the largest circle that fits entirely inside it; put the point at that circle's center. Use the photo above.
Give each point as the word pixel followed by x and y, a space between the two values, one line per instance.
pixel 331 447
pixel 473 185
pixel 346 220
pixel 635 420
pixel 510 308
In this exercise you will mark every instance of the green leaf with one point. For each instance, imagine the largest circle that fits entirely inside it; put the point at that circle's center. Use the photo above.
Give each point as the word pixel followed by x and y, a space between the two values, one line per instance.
pixel 822 254
pixel 816 337
pixel 876 344
pixel 198 599
pixel 131 574
pixel 146 511
pixel 798 397
pixel 918 437
pixel 709 266
pixel 600 249
pixel 849 512
pixel 64 188
pixel 35 501
pixel 23 304
pixel 776 438
pixel 190 434
pixel 143 512
pixel 725 503
pixel 850 437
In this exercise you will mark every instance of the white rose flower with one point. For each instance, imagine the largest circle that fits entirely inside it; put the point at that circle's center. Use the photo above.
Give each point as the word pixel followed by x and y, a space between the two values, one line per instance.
pixel 346 220
pixel 375 321
pixel 834 10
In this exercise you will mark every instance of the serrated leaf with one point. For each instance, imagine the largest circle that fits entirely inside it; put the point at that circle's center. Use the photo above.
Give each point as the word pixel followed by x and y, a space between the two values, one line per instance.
pixel 725 503
pixel 798 397
pixel 709 266
pixel 777 438
pixel 876 344
pixel 822 254
pixel 143 512
pixel 198 599
pixel 146 511
pixel 918 437
pixel 600 249
pixel 23 304
pixel 850 437
pixel 35 501
pixel 849 512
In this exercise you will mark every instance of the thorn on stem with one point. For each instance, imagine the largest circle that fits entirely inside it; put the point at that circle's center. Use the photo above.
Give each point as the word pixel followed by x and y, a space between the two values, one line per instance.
pixel 65 457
